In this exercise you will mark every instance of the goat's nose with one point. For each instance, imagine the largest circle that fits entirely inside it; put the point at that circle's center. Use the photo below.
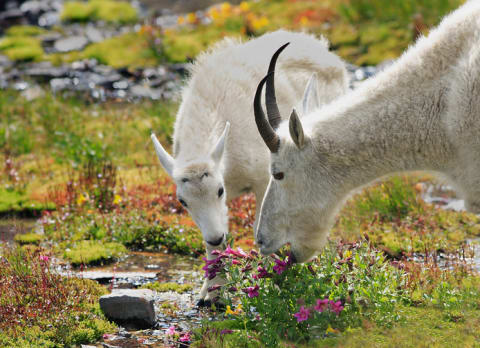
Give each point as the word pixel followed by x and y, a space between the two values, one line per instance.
pixel 260 241
pixel 216 242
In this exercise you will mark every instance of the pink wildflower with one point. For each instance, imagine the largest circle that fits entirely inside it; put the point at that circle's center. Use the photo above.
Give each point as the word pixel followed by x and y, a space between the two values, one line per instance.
pixel 262 273
pixel 321 305
pixel 280 266
pixel 336 307
pixel 106 336
pixel 171 331
pixel 302 314
pixel 185 337
pixel 251 291
pixel 44 258
pixel 236 262
pixel 213 288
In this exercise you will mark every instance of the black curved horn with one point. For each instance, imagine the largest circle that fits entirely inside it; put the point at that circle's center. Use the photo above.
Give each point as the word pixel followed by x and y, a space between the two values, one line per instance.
pixel 268 134
pixel 270 99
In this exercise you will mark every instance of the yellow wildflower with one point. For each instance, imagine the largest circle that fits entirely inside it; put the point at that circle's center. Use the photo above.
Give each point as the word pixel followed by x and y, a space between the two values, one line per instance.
pixel 214 13
pixel 225 7
pixel 181 20
pixel 229 311
pixel 238 310
pixel 347 254
pixel 331 330
pixel 260 23
pixel 117 199
pixel 81 199
pixel 191 18
pixel 244 6
pixel 304 20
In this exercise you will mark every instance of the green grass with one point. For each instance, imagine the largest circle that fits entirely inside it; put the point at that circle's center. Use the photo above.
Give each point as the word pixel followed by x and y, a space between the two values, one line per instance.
pixel 21 48
pixel 164 287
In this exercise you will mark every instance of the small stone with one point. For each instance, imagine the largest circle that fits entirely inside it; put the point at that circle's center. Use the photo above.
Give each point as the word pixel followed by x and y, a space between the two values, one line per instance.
pixel 48 19
pixel 73 43
pixel 33 93
pixel 93 34
pixel 130 307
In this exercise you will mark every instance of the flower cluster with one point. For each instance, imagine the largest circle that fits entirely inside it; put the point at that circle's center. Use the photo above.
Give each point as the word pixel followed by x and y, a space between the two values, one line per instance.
pixel 321 306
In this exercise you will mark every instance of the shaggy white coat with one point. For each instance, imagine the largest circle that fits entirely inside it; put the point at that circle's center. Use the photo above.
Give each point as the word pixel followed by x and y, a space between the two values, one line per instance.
pixel 422 113
pixel 220 90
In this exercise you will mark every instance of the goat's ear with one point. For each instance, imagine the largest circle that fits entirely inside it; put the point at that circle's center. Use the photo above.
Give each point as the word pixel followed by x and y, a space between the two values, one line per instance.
pixel 310 96
pixel 219 147
pixel 165 159
pixel 296 130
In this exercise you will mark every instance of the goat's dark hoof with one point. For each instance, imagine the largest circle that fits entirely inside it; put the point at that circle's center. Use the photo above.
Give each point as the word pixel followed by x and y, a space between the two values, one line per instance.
pixel 201 303
pixel 207 303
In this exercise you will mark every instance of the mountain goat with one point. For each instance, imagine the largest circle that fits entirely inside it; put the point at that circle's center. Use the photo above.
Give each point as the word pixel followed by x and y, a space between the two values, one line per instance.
pixel 422 113
pixel 214 162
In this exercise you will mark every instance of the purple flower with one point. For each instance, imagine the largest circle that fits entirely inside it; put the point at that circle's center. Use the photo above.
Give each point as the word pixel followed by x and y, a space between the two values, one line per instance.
pixel 226 331
pixel 321 305
pixel 280 266
pixel 302 314
pixel 213 288
pixel 336 307
pixel 251 291
pixel 238 253
pixel 185 337
pixel 262 273
pixel 236 262
pixel 171 331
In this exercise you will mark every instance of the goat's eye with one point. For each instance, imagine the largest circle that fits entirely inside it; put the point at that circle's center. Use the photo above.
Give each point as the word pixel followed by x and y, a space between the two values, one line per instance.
pixel 278 176
pixel 220 192
pixel 182 202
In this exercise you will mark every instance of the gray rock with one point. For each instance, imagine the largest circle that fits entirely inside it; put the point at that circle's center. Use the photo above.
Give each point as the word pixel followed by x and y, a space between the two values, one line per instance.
pixel 93 34
pixel 130 307
pixel 73 43
pixel 49 19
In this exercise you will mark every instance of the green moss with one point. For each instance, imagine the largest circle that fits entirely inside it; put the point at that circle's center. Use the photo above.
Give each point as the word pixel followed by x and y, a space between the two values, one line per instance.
pixel 21 48
pixel 13 202
pixel 106 10
pixel 164 287
pixel 93 252
pixel 25 30
pixel 28 238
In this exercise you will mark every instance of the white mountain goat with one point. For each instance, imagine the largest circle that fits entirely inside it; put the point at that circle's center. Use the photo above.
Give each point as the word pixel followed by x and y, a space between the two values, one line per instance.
pixel 422 113
pixel 211 165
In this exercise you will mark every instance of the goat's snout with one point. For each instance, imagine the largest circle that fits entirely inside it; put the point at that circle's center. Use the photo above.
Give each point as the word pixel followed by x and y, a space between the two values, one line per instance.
pixel 216 242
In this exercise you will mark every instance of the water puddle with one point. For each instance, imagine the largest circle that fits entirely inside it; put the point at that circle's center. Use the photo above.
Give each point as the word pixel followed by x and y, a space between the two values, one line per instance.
pixel 10 227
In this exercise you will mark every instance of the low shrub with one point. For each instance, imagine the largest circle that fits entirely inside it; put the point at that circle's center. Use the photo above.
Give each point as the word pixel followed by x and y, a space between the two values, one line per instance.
pixel 106 10
pixel 164 287
pixel 28 238
pixel 40 308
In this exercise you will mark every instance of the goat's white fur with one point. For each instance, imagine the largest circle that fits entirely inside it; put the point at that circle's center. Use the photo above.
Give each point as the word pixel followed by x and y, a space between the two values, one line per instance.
pixel 219 91
pixel 422 113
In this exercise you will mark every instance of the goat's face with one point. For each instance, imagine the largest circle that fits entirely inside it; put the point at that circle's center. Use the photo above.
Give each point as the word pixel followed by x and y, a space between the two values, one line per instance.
pixel 296 208
pixel 200 189
pixel 291 211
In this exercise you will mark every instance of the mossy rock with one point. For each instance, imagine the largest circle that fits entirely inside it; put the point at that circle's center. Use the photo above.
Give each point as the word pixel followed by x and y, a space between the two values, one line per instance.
pixel 28 238
pixel 164 287
pixel 25 30
pixel 21 48
pixel 93 252
pixel 106 10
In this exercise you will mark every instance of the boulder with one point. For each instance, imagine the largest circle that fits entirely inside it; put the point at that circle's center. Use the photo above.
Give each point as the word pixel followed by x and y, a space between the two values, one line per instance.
pixel 72 43
pixel 130 307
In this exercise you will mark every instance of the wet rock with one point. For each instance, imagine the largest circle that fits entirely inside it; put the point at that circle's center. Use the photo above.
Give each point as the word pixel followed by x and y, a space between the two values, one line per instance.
pixel 73 43
pixel 11 17
pixel 60 84
pixel 49 19
pixel 93 34
pixel 132 308
pixel 44 71
pixel 139 91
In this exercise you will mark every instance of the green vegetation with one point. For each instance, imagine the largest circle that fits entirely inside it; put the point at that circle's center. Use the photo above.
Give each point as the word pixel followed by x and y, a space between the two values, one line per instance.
pixel 93 252
pixel 25 30
pixel 395 220
pixel 164 287
pixel 106 10
pixel 39 308
pixel 28 238
pixel 21 48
